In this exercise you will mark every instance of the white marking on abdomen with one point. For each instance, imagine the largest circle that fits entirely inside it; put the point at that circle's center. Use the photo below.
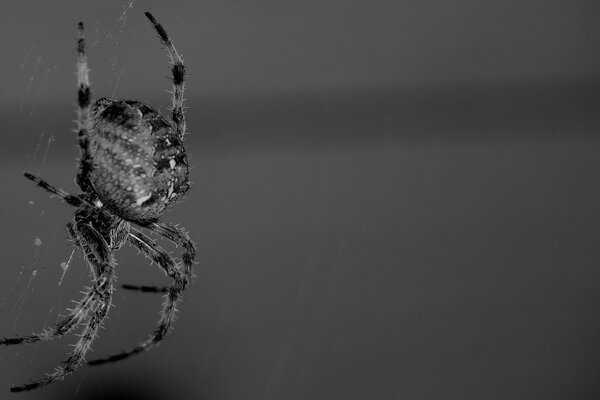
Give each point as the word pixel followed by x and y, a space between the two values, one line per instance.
pixel 142 199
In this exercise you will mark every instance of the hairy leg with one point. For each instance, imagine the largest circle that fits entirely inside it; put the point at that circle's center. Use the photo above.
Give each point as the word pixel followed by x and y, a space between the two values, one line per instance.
pixel 94 307
pixel 73 200
pixel 84 98
pixel 77 355
pixel 178 71
pixel 180 237
pixel 149 248
pixel 82 307
pixel 66 325
pixel 138 239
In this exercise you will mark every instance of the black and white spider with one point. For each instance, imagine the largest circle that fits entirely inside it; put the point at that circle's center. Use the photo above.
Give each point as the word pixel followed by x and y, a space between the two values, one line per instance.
pixel 133 166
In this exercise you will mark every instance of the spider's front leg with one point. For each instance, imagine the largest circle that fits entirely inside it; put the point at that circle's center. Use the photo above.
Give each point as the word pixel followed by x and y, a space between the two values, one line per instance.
pixel 84 100
pixel 178 72
pixel 73 200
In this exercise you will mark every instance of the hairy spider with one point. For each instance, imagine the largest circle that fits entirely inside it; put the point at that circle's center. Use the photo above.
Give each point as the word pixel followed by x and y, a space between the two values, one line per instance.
pixel 133 165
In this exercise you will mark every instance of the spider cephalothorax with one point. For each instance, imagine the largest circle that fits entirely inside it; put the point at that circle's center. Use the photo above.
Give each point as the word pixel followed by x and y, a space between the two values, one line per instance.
pixel 133 165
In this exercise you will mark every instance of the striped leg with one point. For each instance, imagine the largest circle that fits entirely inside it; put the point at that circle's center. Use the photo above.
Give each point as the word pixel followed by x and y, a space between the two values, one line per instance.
pixel 172 297
pixel 84 97
pixel 180 237
pixel 178 71
pixel 75 317
pixel 77 355
pixel 92 309
pixel 73 200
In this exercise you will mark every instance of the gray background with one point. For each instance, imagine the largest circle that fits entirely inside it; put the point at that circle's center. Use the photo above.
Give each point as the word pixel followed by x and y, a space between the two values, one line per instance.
pixel 391 199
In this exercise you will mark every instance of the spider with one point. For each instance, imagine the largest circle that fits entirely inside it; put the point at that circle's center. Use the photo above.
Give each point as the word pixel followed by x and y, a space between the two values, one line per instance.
pixel 133 165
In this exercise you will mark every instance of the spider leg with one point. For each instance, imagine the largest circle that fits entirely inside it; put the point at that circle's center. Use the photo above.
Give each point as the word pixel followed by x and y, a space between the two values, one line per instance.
pixel 146 288
pixel 77 355
pixel 76 315
pixel 98 253
pixel 178 71
pixel 79 312
pixel 133 239
pixel 84 97
pixel 79 242
pixel 74 200
pixel 180 237
pixel 147 246
pixel 68 198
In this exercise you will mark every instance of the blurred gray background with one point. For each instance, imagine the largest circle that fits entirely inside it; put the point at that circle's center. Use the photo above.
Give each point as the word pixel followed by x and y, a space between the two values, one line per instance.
pixel 391 199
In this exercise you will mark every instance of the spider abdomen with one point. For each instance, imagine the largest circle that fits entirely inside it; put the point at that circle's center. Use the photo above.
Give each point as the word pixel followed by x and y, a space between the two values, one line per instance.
pixel 139 164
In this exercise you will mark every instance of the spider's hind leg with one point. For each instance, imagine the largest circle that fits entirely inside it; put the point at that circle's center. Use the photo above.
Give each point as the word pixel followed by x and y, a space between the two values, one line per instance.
pixel 173 295
pixel 142 243
pixel 178 236
pixel 77 355
pixel 93 308
pixel 80 312
pixel 75 317
pixel 146 288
